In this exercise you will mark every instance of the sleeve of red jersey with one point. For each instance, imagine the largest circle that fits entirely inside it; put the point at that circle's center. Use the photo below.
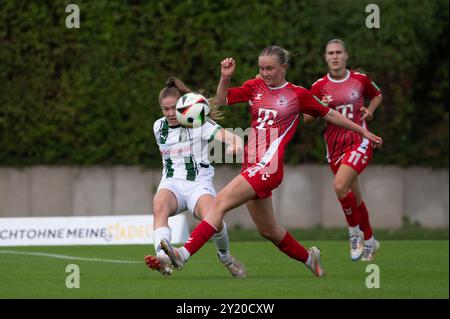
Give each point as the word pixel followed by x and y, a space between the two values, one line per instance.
pixel 315 89
pixel 370 88
pixel 240 94
pixel 311 105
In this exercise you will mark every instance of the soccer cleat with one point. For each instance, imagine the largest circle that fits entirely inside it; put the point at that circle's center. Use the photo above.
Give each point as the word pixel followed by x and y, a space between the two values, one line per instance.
pixel 316 265
pixel 176 258
pixel 235 267
pixel 369 250
pixel 161 264
pixel 356 245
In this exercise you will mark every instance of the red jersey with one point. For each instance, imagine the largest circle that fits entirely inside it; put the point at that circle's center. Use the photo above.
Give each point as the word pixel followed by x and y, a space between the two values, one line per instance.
pixel 274 117
pixel 347 97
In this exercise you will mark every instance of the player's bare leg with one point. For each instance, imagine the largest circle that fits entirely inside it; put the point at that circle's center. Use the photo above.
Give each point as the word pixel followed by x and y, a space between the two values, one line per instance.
pixel 343 180
pixel 164 205
pixel 235 193
pixel 221 240
pixel 261 211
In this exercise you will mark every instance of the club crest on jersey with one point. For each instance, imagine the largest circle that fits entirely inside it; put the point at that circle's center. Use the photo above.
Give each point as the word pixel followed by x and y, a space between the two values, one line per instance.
pixel 327 99
pixel 282 101
pixel 354 95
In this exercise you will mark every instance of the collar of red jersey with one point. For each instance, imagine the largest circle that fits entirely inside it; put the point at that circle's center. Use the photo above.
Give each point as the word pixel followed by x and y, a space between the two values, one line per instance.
pixel 278 87
pixel 347 75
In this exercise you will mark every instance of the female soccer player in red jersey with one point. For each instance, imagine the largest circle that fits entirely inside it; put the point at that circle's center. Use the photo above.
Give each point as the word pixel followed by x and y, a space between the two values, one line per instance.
pixel 275 107
pixel 347 152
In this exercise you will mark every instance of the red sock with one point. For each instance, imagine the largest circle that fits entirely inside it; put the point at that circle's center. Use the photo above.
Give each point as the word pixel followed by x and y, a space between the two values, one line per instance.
pixel 292 248
pixel 364 223
pixel 350 209
pixel 199 236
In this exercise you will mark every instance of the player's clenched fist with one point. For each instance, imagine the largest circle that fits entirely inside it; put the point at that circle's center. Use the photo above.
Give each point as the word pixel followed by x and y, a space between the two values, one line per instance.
pixel 227 67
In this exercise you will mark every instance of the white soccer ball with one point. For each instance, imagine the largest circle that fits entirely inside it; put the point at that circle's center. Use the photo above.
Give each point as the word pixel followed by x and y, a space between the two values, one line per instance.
pixel 192 110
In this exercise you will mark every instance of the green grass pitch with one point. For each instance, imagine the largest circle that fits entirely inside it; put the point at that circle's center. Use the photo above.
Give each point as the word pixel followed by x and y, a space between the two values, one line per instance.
pixel 408 269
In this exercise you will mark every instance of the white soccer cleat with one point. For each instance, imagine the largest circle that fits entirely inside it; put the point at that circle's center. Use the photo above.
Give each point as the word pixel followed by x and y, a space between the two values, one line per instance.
pixel 235 267
pixel 370 250
pixel 160 263
pixel 356 245
pixel 316 265
pixel 176 258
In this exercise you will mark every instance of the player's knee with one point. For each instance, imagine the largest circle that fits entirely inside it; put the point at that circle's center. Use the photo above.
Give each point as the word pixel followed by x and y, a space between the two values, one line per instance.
pixel 220 204
pixel 340 188
pixel 160 209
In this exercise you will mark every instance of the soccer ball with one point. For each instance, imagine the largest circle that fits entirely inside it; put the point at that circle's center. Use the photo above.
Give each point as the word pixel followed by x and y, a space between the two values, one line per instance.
pixel 192 110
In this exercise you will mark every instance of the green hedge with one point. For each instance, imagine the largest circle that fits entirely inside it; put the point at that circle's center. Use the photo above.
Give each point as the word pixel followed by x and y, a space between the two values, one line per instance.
pixel 89 96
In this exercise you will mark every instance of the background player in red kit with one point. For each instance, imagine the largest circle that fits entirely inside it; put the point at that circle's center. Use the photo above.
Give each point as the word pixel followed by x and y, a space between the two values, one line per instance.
pixel 347 152
pixel 275 106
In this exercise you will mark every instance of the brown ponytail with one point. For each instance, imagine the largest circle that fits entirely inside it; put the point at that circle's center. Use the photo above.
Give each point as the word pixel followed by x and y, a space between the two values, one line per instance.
pixel 174 87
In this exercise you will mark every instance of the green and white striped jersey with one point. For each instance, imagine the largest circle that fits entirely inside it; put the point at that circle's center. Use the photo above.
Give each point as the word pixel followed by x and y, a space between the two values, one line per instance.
pixel 184 151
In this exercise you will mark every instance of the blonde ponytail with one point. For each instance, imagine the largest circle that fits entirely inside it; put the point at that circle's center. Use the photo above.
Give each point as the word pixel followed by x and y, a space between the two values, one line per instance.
pixel 215 112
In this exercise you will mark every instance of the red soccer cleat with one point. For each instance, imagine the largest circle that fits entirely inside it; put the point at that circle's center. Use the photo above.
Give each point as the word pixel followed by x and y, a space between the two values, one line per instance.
pixel 159 264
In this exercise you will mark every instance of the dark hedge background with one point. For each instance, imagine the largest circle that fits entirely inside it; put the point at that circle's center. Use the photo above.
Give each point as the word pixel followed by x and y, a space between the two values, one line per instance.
pixel 89 96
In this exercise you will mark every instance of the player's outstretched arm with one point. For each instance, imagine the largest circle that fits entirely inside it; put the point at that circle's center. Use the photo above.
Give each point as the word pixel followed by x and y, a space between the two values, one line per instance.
pixel 338 119
pixel 227 67
pixel 308 118
pixel 234 142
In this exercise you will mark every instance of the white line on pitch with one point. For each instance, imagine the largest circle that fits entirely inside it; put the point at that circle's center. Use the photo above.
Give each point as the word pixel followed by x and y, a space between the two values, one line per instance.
pixel 15 252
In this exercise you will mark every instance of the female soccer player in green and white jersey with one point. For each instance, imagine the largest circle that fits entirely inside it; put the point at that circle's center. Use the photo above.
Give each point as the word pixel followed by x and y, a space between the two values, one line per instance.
pixel 187 177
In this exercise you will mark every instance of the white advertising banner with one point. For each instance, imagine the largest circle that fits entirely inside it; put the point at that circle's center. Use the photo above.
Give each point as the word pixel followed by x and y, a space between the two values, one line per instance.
pixel 86 230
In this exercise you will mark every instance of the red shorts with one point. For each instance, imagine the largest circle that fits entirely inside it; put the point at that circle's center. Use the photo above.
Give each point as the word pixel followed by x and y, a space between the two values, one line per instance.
pixel 357 158
pixel 262 180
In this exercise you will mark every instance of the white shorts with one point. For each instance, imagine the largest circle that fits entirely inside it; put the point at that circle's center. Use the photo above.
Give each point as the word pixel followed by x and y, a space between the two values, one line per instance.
pixel 187 192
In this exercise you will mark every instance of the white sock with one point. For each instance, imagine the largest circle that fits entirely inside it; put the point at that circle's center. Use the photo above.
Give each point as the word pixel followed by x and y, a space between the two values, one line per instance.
pixel 222 243
pixel 370 241
pixel 354 230
pixel 185 253
pixel 308 261
pixel 159 234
